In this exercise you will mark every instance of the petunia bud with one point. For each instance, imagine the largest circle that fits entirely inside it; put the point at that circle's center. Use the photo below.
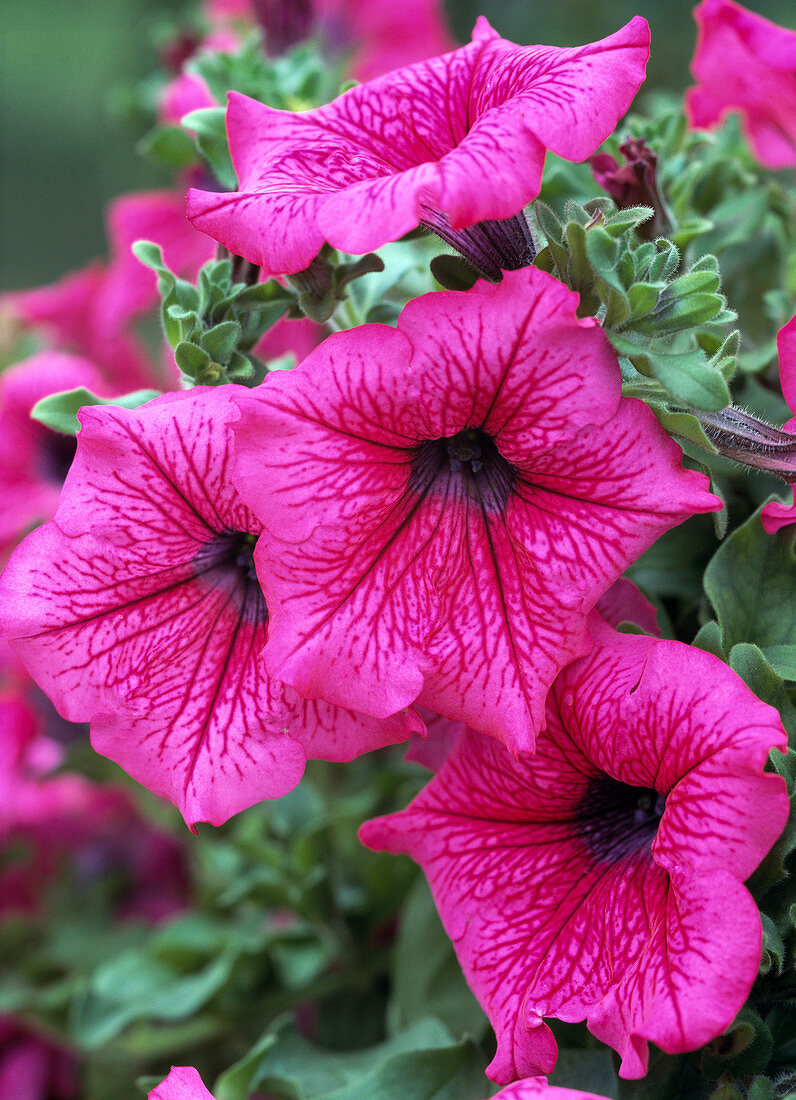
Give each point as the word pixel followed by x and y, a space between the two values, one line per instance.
pixel 633 184
pixel 743 438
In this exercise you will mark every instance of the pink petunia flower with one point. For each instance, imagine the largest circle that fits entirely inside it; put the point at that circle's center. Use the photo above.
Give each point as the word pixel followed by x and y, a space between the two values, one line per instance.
pixel 182 1083
pixel 449 142
pixel 775 514
pixel 601 879
pixel 34 459
pixel 138 608
pixel 745 63
pixel 64 824
pixel 444 502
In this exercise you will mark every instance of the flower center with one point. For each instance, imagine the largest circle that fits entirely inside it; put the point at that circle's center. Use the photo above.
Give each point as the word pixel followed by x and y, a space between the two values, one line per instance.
pixel 227 562
pixel 616 820
pixel 468 462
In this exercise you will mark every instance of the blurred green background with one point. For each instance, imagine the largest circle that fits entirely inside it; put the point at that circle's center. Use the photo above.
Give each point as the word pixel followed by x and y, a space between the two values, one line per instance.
pixel 75 76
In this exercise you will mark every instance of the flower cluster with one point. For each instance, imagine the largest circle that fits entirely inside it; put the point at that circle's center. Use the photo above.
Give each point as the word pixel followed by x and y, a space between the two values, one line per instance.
pixel 417 534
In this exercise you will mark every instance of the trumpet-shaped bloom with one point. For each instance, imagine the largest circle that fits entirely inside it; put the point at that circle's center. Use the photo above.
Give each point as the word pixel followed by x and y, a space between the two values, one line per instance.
pixel 138 608
pixel 745 63
pixel 449 142
pixel 444 502
pixel 601 878
pixel 775 514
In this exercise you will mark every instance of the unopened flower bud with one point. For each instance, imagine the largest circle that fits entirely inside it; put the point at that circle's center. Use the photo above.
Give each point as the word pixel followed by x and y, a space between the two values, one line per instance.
pixel 633 183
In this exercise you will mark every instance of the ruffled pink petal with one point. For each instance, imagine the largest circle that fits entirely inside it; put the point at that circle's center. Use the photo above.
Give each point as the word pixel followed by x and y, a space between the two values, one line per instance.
pixel 624 603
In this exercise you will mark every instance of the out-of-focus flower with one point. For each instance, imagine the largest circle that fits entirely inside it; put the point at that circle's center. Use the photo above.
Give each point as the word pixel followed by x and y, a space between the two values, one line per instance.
pixel 33 1067
pixel 449 142
pixel 375 34
pixel 601 878
pixel 443 503
pixel 745 63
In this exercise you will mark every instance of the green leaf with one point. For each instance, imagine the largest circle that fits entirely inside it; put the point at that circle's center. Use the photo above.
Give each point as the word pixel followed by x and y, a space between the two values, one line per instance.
pixel 642 298
pixel 219 342
pixel 171 145
pixel 773 947
pixel 209 125
pixel 423 1063
pixel 192 360
pixel 150 254
pixel 426 976
pixel 683 313
pixel 453 273
pixel 683 425
pixel 548 222
pixel 135 986
pixel 59 410
pixel 757 673
pixel 685 375
pixel 628 218
pixel 708 638
pixel 665 262
pixel 782 659
pixel 751 583
pixel 602 249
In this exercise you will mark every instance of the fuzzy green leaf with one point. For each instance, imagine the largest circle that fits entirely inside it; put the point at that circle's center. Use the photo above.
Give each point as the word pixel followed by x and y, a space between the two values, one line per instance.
pixel 219 342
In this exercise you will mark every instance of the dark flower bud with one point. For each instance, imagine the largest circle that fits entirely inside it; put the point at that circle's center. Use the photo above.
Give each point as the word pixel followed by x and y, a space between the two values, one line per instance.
pixel 743 438
pixel 284 23
pixel 633 184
